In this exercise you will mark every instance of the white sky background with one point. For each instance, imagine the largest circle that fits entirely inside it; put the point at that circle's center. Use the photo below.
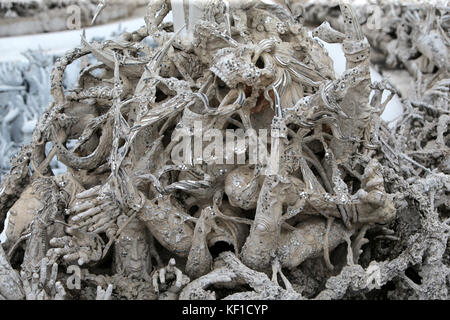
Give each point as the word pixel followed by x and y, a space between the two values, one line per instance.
pixel 60 42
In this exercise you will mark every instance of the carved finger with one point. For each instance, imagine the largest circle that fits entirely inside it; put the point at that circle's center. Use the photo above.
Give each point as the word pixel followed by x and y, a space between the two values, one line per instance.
pixel 155 281
pixel 84 258
pixel 89 193
pixel 35 282
pixel 104 294
pixel 53 275
pixel 162 275
pixel 171 265
pixel 81 206
pixel 43 273
pixel 26 285
pixel 101 223
pixel 60 242
pixel 108 292
pixel 100 293
pixel 71 257
pixel 92 211
pixel 179 277
pixel 104 227
pixel 82 224
pixel 91 221
pixel 57 252
pixel 99 217
pixel 88 213
pixel 60 291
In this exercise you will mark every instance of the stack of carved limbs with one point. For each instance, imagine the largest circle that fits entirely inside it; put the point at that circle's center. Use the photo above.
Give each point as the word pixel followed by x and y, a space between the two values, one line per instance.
pixel 328 188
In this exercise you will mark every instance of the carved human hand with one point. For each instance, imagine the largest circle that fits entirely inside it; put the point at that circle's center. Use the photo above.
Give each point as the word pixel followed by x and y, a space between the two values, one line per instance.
pixel 169 273
pixel 104 294
pixel 96 209
pixel 80 246
pixel 43 287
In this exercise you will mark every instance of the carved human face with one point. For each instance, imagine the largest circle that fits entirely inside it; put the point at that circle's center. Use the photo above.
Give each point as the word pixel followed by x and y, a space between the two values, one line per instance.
pixel 132 251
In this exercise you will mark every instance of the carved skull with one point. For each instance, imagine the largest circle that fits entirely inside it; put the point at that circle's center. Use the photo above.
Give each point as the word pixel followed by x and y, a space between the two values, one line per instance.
pixel 234 66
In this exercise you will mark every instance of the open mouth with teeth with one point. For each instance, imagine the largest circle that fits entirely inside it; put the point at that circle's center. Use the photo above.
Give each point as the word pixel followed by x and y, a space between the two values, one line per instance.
pixel 224 77
pixel 232 68
pixel 231 77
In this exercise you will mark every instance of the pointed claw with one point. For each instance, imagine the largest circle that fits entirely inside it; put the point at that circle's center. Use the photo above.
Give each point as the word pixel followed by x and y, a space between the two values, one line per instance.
pixel 278 111
pixel 311 183
pixel 101 5
pixel 153 65
pixel 352 27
